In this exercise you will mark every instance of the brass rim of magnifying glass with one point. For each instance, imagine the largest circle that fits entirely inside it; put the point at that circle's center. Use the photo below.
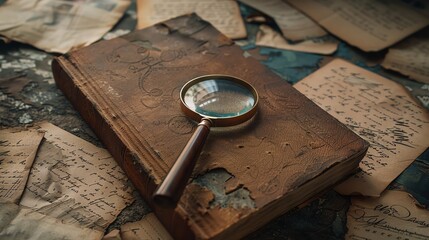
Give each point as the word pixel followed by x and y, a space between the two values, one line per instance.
pixel 219 121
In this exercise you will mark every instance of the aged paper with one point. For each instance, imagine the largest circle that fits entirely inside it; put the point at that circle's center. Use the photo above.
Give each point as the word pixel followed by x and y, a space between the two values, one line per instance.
pixel 5 39
pixel 411 58
pixel 75 181
pixel 59 26
pixel 392 216
pixel 377 109
pixel 293 24
pixel 18 149
pixel 115 234
pixel 267 37
pixel 18 222
pixel 371 25
pixel 148 228
pixel 222 14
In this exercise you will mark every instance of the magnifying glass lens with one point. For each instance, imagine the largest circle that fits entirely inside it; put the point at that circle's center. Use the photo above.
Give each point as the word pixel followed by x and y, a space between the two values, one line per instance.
pixel 214 100
pixel 219 98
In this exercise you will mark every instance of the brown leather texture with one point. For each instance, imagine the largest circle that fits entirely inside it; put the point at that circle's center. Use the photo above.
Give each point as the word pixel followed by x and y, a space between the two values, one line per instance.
pixel 127 89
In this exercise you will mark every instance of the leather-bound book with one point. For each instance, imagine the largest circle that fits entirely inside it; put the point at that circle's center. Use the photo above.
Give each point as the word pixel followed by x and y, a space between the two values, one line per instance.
pixel 127 90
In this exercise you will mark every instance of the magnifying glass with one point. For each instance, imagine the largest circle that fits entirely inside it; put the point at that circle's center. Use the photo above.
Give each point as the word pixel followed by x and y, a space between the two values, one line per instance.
pixel 213 101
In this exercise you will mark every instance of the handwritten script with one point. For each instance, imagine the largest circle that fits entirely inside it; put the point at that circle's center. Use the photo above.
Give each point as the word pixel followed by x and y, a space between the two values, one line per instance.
pixel 410 57
pixel 59 26
pixel 293 23
pixel 147 228
pixel 368 24
pixel 378 110
pixel 224 15
pixel 392 216
pixel 17 152
pixel 75 181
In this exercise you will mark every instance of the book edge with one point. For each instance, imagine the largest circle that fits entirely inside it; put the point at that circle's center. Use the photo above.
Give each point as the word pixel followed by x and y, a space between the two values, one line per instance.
pixel 177 225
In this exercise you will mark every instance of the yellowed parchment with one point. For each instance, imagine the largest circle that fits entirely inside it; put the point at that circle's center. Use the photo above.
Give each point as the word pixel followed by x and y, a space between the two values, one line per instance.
pixel 410 57
pixel 293 24
pixel 17 222
pixel 75 181
pixel 5 39
pixel 267 37
pixel 59 26
pixel 222 14
pixel 370 25
pixel 148 228
pixel 392 216
pixel 380 111
pixel 18 148
pixel 115 234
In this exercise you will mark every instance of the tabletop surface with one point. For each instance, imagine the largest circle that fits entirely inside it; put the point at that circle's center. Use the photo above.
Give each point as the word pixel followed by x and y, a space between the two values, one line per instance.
pixel 28 95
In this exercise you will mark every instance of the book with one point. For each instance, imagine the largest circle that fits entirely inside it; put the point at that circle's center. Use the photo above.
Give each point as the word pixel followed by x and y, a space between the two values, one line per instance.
pixel 127 90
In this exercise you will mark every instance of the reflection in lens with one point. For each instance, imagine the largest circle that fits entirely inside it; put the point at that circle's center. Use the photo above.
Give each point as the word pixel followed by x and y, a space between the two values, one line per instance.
pixel 219 98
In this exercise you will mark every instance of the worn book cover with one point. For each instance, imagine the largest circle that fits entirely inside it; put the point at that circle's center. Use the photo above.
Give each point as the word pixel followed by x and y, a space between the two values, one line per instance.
pixel 127 89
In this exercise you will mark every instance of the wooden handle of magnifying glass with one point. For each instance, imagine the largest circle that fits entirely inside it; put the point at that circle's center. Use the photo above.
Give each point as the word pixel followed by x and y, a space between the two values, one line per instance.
pixel 170 190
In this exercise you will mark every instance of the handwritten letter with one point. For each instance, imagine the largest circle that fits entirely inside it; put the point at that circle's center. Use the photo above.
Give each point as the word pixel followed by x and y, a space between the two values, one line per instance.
pixel 148 228
pixel 410 58
pixel 392 216
pixel 268 37
pixel 17 152
pixel 368 24
pixel 224 15
pixel 293 24
pixel 59 26
pixel 377 109
pixel 75 181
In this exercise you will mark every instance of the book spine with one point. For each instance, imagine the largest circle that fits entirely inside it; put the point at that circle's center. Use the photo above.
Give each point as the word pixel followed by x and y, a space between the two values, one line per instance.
pixel 66 74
